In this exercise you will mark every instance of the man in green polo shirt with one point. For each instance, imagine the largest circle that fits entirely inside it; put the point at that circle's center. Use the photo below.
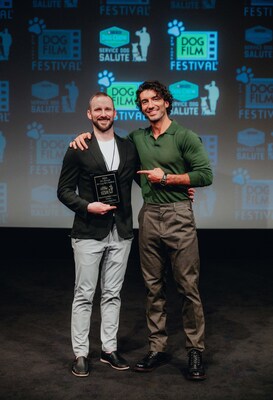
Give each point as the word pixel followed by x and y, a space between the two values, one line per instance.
pixel 173 159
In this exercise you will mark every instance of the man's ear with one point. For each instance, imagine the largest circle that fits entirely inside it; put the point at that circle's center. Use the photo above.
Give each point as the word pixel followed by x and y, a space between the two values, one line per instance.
pixel 88 113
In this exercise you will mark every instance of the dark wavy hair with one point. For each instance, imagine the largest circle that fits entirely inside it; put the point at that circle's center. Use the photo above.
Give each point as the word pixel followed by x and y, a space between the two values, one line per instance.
pixel 159 88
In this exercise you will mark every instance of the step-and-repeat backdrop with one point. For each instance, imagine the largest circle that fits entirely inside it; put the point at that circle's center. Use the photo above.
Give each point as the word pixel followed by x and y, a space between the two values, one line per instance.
pixel 215 56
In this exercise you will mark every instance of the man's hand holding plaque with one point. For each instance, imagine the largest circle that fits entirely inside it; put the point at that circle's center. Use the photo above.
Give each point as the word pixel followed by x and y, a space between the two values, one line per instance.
pixel 106 187
pixel 99 208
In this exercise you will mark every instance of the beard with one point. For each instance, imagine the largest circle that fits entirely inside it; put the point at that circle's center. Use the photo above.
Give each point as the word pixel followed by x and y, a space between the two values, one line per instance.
pixel 103 128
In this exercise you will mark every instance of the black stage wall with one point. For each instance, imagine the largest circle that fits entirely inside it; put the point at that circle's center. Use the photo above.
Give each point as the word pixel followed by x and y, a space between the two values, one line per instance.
pixel 243 244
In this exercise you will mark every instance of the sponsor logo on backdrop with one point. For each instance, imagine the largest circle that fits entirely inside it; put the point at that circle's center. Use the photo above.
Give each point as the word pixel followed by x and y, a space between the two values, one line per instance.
pixel 259 37
pixel 270 149
pixel 49 97
pixel 6 10
pixel 123 94
pixel 259 8
pixel 44 203
pixel 3 143
pixel 5 4
pixel 192 50
pixel 125 8
pixel 54 49
pixel 254 198
pixel 3 202
pixel 211 145
pixel 255 95
pixel 205 201
pixel 5 44
pixel 122 46
pixel 192 5
pixel 206 197
pixel 251 145
pixel 46 150
pixel 4 101
pixel 54 3
pixel 192 100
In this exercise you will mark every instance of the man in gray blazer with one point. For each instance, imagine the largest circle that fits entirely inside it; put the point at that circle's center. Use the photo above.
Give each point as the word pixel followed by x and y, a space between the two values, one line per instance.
pixel 102 230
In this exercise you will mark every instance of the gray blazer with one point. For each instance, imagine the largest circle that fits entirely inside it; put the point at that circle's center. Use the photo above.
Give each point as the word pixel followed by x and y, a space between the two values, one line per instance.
pixel 76 192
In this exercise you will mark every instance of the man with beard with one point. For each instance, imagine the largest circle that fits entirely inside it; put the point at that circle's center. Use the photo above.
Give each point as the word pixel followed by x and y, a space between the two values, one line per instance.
pixel 172 159
pixel 102 233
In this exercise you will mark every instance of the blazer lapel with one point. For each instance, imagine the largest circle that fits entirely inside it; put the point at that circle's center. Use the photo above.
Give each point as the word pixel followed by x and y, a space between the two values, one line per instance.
pixel 122 152
pixel 96 154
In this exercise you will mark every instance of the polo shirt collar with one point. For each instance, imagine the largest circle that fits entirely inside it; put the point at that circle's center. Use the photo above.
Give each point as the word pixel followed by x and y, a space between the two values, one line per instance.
pixel 171 130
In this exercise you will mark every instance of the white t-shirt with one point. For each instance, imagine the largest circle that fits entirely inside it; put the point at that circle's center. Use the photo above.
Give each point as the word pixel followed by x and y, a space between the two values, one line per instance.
pixel 110 154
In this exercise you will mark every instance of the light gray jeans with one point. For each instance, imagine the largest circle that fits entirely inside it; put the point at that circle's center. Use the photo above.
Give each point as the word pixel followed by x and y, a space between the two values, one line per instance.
pixel 111 254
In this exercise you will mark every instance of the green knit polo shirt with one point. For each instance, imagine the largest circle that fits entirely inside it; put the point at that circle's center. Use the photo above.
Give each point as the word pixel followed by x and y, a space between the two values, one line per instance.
pixel 176 151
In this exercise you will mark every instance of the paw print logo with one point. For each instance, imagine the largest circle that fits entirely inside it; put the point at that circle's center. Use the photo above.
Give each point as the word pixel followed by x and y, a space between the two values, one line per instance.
pixel 244 75
pixel 106 78
pixel 35 130
pixel 240 176
pixel 36 25
pixel 175 28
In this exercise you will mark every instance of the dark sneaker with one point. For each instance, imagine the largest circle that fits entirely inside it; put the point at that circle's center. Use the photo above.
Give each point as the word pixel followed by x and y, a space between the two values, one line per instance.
pixel 196 369
pixel 80 367
pixel 114 359
pixel 152 360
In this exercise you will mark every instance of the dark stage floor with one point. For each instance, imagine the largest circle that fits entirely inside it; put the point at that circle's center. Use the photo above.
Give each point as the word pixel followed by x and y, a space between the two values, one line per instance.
pixel 36 296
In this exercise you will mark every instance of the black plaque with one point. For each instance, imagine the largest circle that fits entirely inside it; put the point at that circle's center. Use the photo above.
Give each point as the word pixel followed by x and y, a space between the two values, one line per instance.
pixel 106 187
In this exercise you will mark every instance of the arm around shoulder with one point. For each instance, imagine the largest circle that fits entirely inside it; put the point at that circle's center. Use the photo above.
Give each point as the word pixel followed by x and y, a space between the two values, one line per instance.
pixel 79 141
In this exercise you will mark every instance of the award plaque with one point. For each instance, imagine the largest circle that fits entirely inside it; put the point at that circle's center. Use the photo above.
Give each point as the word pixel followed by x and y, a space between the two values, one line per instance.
pixel 106 187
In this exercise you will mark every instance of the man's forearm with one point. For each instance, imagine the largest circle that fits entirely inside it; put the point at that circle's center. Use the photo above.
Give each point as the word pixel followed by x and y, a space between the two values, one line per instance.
pixel 182 179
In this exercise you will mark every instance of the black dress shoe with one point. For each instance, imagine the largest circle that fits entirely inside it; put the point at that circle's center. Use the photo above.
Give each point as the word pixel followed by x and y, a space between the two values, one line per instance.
pixel 152 360
pixel 114 359
pixel 196 370
pixel 80 367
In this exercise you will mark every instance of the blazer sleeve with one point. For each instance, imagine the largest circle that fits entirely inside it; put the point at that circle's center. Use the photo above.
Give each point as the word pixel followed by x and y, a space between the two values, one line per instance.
pixel 68 182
